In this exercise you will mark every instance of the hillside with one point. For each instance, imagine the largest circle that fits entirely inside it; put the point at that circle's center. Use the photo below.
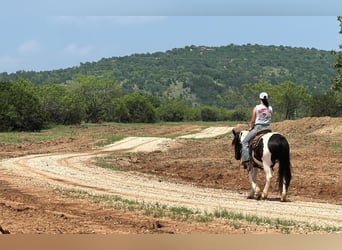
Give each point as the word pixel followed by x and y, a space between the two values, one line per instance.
pixel 201 73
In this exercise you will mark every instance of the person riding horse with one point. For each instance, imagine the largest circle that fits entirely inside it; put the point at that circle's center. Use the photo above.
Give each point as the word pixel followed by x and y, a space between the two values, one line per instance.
pixel 261 119
pixel 266 150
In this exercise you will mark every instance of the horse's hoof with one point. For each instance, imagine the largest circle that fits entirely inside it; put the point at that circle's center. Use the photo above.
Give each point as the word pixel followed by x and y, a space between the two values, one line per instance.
pixel 283 198
pixel 251 196
pixel 258 196
pixel 263 196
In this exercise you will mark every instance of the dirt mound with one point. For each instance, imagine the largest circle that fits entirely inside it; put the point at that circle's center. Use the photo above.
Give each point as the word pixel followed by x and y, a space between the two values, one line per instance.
pixel 182 169
pixel 322 126
pixel 208 133
pixel 141 144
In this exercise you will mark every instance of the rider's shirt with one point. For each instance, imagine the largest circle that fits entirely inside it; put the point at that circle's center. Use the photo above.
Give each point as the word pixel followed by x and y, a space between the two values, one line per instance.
pixel 263 115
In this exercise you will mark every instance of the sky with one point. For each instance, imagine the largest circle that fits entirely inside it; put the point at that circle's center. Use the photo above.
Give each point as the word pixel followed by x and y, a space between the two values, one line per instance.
pixel 46 35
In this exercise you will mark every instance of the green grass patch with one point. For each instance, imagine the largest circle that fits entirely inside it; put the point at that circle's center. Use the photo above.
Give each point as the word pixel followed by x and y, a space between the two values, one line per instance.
pixel 108 139
pixel 335 146
pixel 25 137
pixel 157 210
pixel 55 132
pixel 107 162
pixel 286 226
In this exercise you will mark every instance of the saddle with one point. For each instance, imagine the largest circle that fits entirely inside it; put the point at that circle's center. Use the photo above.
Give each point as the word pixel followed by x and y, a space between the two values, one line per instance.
pixel 253 143
pixel 253 147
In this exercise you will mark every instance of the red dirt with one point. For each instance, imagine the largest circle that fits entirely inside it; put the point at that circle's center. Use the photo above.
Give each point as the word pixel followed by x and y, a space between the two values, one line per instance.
pixel 316 158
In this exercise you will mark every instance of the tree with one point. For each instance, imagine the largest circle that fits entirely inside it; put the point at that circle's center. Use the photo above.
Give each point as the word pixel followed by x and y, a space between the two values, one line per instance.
pixel 337 81
pixel 21 107
pixel 100 95
pixel 326 105
pixel 290 100
pixel 173 110
pixel 139 108
pixel 62 105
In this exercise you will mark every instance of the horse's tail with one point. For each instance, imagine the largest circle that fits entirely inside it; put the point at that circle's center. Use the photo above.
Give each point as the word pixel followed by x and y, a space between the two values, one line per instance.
pixel 284 171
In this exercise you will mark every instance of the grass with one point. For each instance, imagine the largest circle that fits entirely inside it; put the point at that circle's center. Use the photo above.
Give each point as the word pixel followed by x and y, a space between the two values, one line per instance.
pixel 335 146
pixel 106 162
pixel 108 139
pixel 235 219
pixel 55 132
pixel 72 131
pixel 25 137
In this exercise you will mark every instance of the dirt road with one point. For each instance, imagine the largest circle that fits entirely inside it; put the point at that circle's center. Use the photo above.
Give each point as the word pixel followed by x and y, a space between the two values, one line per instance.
pixel 78 171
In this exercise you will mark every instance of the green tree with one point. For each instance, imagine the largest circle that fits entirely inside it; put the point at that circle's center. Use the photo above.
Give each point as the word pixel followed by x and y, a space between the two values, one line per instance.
pixel 290 100
pixel 21 107
pixel 139 109
pixel 250 96
pixel 337 81
pixel 326 105
pixel 173 110
pixel 62 105
pixel 100 95
pixel 122 112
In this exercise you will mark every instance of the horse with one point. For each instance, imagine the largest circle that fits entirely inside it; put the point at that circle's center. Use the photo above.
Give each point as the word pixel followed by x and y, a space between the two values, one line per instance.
pixel 269 149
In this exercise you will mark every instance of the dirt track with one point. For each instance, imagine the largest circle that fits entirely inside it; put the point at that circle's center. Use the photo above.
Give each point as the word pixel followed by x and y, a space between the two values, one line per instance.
pixel 44 172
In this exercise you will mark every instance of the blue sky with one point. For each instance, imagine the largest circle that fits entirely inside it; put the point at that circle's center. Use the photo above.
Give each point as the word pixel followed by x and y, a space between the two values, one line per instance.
pixel 45 35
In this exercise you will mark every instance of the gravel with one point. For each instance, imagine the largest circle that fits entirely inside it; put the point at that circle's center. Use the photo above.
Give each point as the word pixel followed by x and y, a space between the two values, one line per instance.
pixel 78 171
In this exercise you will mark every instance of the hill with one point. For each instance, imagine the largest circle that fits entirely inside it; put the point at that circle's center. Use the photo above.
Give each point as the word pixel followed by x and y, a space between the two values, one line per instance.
pixel 202 73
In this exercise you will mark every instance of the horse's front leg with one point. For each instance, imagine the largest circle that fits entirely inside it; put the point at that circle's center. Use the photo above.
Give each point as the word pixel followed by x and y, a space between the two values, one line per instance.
pixel 255 190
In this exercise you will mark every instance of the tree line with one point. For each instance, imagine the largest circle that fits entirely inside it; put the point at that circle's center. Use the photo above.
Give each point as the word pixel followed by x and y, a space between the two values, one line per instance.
pixel 190 84
pixel 203 72
pixel 28 107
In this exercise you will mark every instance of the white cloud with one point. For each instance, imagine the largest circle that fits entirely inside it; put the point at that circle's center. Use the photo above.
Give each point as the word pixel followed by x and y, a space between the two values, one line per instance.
pixel 29 47
pixel 76 50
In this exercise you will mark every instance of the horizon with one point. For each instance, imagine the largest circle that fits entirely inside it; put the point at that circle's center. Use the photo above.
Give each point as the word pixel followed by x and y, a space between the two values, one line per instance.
pixel 144 53
pixel 45 43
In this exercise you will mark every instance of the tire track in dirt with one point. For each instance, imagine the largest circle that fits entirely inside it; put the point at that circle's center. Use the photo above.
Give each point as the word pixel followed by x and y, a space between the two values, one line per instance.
pixel 78 172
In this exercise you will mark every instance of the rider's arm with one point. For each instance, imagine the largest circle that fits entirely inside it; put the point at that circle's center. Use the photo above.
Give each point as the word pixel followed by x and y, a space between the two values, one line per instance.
pixel 253 119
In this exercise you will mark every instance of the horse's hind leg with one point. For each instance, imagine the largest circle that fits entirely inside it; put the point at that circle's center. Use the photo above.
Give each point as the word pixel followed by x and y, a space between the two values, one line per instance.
pixel 268 174
pixel 283 193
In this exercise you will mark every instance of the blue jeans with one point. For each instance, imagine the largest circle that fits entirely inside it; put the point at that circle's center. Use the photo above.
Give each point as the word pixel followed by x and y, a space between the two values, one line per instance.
pixel 250 135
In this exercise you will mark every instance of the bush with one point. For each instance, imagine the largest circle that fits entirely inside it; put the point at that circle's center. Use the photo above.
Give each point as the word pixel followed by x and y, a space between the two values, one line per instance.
pixel 137 108
pixel 21 107
pixel 173 111
pixel 326 105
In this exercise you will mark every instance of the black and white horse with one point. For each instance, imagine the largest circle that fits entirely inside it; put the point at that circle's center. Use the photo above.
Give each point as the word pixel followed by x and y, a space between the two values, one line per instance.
pixel 265 153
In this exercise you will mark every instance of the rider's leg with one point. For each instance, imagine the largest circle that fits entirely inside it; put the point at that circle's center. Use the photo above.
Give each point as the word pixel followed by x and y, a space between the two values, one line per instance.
pixel 245 148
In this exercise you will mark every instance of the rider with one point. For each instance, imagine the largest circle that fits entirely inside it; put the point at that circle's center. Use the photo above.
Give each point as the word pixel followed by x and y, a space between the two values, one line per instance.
pixel 261 119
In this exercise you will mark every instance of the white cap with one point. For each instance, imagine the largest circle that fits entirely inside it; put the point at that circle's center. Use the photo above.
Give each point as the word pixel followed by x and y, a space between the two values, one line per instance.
pixel 263 95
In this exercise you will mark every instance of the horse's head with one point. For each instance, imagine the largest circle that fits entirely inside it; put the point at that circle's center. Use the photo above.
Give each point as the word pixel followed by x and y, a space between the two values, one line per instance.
pixel 237 144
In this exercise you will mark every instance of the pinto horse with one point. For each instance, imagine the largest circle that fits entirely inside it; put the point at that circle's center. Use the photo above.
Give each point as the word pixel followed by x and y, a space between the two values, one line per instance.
pixel 269 149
